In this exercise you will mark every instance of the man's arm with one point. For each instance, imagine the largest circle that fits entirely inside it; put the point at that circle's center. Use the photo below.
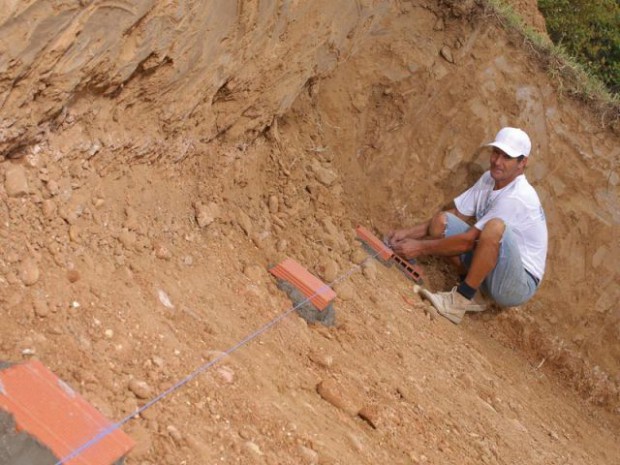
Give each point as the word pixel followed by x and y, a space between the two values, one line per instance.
pixel 415 232
pixel 445 246
pixel 419 231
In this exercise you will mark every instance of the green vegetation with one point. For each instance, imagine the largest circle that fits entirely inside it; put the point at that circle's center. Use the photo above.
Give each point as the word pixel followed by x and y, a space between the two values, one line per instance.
pixel 574 76
pixel 589 30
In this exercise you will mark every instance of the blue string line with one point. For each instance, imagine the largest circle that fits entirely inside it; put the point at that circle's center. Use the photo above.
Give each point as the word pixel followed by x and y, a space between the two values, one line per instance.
pixel 113 427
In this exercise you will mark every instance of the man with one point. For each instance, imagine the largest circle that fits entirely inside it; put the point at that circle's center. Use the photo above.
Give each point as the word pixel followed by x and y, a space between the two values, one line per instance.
pixel 504 252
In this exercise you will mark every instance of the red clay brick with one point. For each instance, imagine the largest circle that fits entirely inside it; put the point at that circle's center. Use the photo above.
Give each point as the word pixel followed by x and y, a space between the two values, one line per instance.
pixel 385 253
pixel 59 418
pixel 413 271
pixel 320 294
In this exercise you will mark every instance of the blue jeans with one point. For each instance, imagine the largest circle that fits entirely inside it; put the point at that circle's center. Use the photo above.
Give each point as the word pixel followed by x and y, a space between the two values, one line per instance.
pixel 508 283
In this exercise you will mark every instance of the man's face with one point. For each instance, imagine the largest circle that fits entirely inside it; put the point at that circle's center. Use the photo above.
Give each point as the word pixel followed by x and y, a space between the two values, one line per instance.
pixel 505 168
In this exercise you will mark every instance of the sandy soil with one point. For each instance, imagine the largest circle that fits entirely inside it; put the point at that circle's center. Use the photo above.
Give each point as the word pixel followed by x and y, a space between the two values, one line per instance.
pixel 152 176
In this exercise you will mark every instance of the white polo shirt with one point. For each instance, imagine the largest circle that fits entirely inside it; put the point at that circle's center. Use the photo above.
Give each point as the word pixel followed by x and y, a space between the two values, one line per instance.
pixel 519 207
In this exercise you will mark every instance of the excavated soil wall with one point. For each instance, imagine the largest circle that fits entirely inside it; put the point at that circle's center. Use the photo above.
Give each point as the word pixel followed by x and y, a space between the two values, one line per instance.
pixel 159 156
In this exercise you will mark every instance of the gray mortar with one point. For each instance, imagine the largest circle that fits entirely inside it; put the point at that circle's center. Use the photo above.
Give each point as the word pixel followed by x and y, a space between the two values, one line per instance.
pixel 19 448
pixel 373 253
pixel 4 365
pixel 307 310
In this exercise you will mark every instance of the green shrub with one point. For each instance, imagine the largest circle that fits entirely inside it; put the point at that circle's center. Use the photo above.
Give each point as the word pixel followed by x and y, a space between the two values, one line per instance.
pixel 589 30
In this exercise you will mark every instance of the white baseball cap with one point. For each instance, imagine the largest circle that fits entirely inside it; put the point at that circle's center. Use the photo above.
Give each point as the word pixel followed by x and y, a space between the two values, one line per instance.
pixel 512 141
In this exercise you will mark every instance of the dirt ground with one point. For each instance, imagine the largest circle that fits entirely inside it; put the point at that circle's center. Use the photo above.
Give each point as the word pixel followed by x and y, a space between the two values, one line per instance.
pixel 151 178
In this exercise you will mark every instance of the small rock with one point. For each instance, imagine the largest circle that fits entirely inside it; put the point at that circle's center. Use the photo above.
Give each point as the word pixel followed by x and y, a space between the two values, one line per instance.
pixel 94 149
pixel 227 374
pixel 41 309
pixel 281 245
pixel 140 389
pixel 260 239
pixel 358 256
pixel 132 219
pixel 333 236
pixel 73 276
pixel 344 291
pixel 161 251
pixel 273 204
pixel 519 426
pixel 48 207
pixel 325 176
pixel 370 414
pixel 321 359
pixel 245 432
pixel 333 393
pixel 15 183
pixel 253 448
pixel 199 448
pixel 127 238
pixel 278 222
pixel 254 272
pixel 405 393
pixel 466 380
pixel 446 53
pixel 14 299
pixel 356 442
pixel 245 222
pixel 174 433
pixel 369 270
pixel 109 334
pixel 12 278
pixel 74 233
pixel 53 188
pixel 29 352
pixel 206 214
pixel 310 456
pixel 164 299
pixel 29 272
pixel 328 269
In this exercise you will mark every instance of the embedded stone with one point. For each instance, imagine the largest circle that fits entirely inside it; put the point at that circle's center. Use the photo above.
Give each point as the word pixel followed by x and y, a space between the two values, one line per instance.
pixel 140 389
pixel 29 272
pixel 16 183
pixel 333 393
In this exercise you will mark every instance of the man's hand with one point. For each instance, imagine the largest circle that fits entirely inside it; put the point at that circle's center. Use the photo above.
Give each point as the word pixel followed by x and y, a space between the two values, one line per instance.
pixel 408 248
pixel 397 235
pixel 415 232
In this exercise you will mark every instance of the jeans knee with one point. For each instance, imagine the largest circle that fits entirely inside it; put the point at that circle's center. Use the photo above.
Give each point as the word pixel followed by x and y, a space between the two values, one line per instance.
pixel 493 231
pixel 438 225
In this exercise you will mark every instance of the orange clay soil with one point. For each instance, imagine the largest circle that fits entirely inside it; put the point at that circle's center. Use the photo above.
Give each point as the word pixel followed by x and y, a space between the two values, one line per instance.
pixel 161 156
